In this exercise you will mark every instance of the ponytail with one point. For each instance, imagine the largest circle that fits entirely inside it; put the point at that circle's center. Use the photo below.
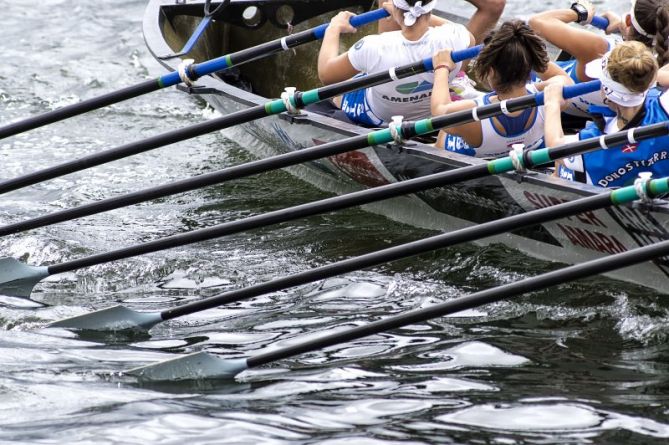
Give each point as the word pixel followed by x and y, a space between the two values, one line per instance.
pixel 511 52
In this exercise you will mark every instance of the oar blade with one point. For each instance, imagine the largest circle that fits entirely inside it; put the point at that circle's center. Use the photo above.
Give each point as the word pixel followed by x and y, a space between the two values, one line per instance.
pixel 117 318
pixel 197 366
pixel 18 279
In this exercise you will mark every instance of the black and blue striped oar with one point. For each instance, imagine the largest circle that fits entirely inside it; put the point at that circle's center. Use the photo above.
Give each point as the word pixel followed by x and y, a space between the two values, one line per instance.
pixel 120 317
pixel 193 72
pixel 297 100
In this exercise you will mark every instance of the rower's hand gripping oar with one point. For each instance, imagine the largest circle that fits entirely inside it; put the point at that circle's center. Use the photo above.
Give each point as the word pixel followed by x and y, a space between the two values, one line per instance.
pixel 23 278
pixel 202 365
pixel 297 100
pixel 190 73
pixel 116 317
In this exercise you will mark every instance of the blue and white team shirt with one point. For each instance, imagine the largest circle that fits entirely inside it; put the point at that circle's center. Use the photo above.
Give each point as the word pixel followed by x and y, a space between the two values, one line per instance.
pixel 499 134
pixel 408 97
pixel 620 166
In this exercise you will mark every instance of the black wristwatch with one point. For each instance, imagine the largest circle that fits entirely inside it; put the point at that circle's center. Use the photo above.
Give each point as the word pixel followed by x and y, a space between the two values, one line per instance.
pixel 581 11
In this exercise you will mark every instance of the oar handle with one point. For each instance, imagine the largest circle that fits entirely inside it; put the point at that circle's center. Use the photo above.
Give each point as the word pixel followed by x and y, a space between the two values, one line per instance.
pixel 572 91
pixel 456 56
pixel 357 21
pixel 600 22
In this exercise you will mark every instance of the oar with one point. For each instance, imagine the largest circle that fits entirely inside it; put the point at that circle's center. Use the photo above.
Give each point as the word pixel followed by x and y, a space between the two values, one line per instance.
pixel 600 22
pixel 284 160
pixel 194 72
pixel 18 279
pixel 201 28
pixel 297 99
pixel 202 365
pixel 119 317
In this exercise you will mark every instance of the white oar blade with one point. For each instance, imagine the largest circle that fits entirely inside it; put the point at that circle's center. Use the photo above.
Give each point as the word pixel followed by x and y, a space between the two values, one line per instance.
pixel 18 279
pixel 198 366
pixel 117 318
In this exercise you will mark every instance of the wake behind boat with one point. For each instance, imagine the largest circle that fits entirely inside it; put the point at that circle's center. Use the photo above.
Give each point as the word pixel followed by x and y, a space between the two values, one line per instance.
pixel 168 27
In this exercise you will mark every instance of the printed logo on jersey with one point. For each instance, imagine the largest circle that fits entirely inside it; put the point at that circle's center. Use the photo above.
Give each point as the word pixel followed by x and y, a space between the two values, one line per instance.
pixel 413 87
pixel 359 44
pixel 629 148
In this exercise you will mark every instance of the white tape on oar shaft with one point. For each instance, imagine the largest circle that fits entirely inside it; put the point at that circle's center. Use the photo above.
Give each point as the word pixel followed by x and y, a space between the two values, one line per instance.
pixel 602 142
pixel 475 114
pixel 284 44
pixel 630 137
pixel 393 74
pixel 503 107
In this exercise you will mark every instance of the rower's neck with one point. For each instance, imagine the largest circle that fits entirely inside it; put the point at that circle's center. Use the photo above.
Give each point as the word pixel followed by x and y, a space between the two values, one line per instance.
pixel 417 31
pixel 516 91
pixel 626 114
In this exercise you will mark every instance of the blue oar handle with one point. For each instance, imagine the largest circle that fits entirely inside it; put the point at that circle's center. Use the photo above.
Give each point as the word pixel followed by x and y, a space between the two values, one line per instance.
pixel 600 22
pixel 357 21
pixel 456 56
pixel 465 54
pixel 571 91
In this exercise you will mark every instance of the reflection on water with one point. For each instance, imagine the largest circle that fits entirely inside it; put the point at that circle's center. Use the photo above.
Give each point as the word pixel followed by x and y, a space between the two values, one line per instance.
pixel 582 363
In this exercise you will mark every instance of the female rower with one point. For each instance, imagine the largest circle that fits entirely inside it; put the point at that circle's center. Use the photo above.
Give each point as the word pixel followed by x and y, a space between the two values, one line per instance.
pixel 647 22
pixel 510 54
pixel 421 34
pixel 627 73
pixel 480 24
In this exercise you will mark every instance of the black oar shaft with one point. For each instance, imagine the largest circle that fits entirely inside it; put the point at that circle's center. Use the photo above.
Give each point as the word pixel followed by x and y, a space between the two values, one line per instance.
pixel 472 172
pixel 394 253
pixel 477 299
pixel 133 148
pixel 79 108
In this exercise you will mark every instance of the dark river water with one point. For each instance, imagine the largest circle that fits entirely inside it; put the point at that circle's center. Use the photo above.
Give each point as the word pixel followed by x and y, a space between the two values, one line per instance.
pixel 581 363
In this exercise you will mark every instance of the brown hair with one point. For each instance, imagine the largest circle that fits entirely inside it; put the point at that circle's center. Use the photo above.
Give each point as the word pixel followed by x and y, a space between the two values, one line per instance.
pixel 653 18
pixel 510 53
pixel 633 65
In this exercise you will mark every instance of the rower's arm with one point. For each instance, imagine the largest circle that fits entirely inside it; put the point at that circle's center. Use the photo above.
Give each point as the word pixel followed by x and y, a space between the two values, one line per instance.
pixel 332 66
pixel 584 45
pixel 554 73
pixel 441 102
pixel 553 103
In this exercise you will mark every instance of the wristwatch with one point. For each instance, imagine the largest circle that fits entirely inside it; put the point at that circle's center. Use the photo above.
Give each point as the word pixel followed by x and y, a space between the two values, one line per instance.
pixel 581 12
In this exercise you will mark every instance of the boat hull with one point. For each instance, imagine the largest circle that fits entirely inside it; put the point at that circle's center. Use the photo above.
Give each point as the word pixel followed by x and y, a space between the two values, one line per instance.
pixel 571 240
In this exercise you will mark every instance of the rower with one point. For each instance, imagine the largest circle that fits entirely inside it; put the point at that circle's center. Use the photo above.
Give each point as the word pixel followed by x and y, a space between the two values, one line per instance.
pixel 643 23
pixel 480 24
pixel 420 34
pixel 509 55
pixel 627 74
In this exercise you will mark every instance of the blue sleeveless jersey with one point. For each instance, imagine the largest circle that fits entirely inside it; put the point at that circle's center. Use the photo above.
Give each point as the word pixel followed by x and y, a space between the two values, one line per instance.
pixel 619 166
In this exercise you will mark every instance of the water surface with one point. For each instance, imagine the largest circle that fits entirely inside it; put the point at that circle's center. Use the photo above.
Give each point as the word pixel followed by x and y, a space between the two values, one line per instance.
pixel 581 363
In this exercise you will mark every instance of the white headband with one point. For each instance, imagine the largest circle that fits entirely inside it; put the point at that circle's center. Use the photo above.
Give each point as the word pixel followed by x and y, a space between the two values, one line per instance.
pixel 636 25
pixel 412 13
pixel 614 91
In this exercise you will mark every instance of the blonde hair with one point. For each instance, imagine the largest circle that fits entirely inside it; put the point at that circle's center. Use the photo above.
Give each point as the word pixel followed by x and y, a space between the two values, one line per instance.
pixel 632 65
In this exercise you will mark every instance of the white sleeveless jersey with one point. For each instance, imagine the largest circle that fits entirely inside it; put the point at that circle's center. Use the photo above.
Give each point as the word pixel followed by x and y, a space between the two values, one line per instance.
pixel 494 144
pixel 408 97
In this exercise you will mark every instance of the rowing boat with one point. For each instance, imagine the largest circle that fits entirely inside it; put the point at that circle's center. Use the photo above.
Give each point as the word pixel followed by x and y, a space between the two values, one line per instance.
pixel 169 24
